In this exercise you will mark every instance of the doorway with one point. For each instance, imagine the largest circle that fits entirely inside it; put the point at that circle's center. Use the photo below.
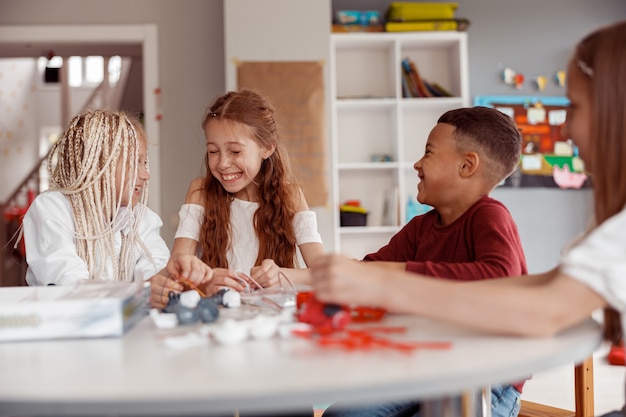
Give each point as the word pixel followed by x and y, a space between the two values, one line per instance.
pixel 29 41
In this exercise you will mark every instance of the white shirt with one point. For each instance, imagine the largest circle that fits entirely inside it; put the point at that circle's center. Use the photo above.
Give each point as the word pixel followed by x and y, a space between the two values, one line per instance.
pixel 599 261
pixel 245 243
pixel 51 249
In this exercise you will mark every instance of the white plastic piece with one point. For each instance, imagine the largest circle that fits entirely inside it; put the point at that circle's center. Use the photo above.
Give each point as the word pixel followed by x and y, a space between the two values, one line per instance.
pixel 230 332
pixel 190 298
pixel 163 320
pixel 263 327
pixel 231 298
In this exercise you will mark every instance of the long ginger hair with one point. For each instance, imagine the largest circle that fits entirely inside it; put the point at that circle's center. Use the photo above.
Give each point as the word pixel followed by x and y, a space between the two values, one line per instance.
pixel 273 220
pixel 601 58
pixel 82 165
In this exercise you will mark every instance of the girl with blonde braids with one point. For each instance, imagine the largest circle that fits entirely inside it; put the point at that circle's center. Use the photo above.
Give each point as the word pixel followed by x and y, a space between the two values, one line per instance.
pixel 93 222
pixel 247 214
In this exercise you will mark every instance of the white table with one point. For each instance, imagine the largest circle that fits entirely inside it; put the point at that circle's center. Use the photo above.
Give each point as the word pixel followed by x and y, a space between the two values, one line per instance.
pixel 138 375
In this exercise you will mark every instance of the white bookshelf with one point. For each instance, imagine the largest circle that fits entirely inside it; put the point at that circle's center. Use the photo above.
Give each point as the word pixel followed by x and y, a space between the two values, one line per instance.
pixel 370 117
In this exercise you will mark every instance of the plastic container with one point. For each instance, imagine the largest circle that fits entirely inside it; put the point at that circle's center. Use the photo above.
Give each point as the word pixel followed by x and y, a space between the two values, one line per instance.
pixel 347 218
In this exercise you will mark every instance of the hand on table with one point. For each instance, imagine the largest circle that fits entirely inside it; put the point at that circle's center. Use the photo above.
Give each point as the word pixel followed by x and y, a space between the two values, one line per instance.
pixel 180 267
pixel 266 274
pixel 226 278
pixel 338 279
pixel 160 287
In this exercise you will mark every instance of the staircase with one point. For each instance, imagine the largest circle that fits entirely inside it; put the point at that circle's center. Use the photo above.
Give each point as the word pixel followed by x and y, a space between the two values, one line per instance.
pixel 12 254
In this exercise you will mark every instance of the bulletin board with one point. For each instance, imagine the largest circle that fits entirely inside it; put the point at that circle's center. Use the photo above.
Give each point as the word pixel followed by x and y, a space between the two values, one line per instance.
pixel 296 90
pixel 548 159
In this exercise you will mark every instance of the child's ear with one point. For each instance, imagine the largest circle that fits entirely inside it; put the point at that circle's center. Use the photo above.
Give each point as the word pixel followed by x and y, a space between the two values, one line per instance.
pixel 469 165
pixel 268 152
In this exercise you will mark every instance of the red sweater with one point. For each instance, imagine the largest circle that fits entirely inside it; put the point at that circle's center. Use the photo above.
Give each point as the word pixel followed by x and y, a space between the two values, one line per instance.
pixel 482 243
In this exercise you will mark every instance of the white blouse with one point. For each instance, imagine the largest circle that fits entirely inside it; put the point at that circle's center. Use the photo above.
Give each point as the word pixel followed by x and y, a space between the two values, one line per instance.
pixel 245 243
pixel 51 249
pixel 599 260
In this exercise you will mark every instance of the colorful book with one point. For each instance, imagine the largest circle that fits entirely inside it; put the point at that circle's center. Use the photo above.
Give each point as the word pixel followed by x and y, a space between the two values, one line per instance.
pixel 408 78
pixel 427 25
pixel 443 91
pixel 421 88
pixel 413 85
pixel 421 25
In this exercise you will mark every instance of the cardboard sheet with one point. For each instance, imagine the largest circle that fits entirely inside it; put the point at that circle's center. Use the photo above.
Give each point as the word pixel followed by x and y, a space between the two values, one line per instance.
pixel 296 90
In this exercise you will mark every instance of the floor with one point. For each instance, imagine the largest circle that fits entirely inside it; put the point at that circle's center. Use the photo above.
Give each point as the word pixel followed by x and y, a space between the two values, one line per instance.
pixel 555 387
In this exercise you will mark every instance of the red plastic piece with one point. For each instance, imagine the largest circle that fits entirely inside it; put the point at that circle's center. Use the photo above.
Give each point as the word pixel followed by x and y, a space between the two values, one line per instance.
pixel 330 321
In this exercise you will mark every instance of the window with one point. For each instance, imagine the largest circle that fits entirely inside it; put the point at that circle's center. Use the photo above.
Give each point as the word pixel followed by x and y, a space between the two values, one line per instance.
pixel 82 71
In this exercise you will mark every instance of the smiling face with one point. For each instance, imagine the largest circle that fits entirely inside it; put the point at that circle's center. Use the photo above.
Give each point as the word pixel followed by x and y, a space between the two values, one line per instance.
pixel 578 122
pixel 143 175
pixel 438 167
pixel 234 157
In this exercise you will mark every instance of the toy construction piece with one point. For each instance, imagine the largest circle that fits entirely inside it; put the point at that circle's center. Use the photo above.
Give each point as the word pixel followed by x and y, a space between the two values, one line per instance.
pixel 329 327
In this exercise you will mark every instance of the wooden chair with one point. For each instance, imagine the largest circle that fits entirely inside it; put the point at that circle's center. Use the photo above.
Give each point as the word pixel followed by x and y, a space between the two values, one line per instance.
pixel 583 393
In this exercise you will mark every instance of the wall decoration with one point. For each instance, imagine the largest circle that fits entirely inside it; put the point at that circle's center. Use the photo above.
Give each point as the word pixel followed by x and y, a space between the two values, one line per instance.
pixel 559 78
pixel 548 159
pixel 512 77
pixel 540 82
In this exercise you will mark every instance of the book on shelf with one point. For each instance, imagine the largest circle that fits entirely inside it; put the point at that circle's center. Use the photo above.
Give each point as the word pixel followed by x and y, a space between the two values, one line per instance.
pixel 427 25
pixel 407 92
pixel 442 91
pixel 423 91
pixel 408 81
pixel 415 86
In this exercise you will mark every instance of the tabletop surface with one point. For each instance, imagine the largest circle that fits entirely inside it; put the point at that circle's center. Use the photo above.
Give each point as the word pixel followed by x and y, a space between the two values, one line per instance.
pixel 138 373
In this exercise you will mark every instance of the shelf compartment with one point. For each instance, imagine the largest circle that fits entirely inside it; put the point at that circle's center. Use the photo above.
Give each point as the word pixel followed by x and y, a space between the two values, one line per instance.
pixel 439 59
pixel 363 66
pixel 365 133
pixel 371 188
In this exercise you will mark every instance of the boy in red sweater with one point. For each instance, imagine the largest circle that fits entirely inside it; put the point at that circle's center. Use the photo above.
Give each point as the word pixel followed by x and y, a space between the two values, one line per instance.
pixel 468 235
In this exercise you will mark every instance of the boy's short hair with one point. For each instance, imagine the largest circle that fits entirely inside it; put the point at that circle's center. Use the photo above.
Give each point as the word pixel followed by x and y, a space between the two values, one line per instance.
pixel 490 133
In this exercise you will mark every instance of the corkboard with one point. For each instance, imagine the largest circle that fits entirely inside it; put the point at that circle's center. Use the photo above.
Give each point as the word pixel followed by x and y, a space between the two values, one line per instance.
pixel 296 90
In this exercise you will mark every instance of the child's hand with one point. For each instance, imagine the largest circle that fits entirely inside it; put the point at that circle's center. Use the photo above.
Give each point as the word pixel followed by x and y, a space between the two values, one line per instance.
pixel 224 278
pixel 266 274
pixel 190 268
pixel 160 287
pixel 338 279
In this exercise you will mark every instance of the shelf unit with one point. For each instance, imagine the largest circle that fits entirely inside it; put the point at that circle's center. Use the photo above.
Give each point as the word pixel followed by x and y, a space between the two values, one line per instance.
pixel 369 117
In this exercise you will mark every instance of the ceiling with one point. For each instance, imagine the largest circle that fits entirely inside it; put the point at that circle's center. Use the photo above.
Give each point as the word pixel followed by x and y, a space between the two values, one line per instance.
pixel 65 49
